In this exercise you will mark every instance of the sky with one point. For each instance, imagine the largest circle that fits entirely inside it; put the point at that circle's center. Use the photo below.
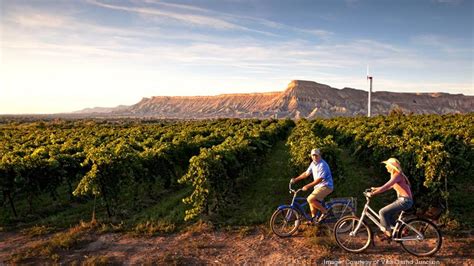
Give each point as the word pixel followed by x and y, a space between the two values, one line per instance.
pixel 65 55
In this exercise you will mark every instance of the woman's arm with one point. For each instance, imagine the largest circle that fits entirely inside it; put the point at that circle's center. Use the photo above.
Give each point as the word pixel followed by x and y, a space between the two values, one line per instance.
pixel 394 179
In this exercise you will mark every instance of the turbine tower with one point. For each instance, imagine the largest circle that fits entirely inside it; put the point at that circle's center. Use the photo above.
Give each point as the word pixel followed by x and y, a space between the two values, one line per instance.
pixel 369 78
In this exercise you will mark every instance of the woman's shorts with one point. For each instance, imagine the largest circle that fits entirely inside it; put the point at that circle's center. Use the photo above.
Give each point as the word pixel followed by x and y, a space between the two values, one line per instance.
pixel 320 193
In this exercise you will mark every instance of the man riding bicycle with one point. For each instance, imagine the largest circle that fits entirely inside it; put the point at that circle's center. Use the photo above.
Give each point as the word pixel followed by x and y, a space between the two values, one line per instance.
pixel 322 183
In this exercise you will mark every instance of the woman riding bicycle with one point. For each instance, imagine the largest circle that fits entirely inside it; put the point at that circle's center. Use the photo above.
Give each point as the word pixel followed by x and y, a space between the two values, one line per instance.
pixel 400 183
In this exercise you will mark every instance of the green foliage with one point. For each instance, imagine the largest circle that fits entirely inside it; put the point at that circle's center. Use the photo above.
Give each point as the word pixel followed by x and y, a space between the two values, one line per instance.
pixel 143 172
pixel 306 137
pixel 213 173
pixel 118 163
pixel 435 151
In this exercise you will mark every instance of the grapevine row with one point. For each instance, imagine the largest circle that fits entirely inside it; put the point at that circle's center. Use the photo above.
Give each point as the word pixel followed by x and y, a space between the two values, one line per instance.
pixel 432 149
pixel 97 159
pixel 214 172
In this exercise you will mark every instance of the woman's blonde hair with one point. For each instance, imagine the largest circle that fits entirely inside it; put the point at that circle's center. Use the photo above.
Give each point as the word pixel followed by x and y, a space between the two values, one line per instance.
pixel 394 164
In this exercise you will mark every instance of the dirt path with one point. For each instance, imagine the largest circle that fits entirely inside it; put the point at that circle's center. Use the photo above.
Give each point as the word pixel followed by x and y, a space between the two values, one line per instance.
pixel 249 246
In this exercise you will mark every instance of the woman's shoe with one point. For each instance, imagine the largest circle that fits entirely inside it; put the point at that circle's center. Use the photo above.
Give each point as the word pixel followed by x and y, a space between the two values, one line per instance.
pixel 383 237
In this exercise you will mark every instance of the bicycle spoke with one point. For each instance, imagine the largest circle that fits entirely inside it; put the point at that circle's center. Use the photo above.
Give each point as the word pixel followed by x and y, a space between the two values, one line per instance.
pixel 357 243
pixel 284 222
pixel 425 242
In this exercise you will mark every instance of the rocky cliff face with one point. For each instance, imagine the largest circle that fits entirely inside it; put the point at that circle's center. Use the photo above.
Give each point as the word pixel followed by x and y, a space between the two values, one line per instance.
pixel 302 99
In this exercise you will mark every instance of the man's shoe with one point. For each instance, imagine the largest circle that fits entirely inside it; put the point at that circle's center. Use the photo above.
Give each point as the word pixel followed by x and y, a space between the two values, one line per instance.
pixel 322 217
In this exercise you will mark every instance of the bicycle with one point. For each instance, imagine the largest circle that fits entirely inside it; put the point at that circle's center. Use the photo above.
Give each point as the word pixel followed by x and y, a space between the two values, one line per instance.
pixel 417 236
pixel 287 218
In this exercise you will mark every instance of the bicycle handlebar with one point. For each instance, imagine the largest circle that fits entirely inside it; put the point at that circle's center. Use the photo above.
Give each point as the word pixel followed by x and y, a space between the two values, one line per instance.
pixel 368 190
pixel 292 190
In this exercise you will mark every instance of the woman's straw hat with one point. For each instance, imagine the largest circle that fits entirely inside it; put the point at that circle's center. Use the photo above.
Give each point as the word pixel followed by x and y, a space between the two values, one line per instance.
pixel 394 164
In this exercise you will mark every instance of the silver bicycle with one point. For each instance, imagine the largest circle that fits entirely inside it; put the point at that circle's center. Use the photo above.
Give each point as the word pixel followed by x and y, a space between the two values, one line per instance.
pixel 417 236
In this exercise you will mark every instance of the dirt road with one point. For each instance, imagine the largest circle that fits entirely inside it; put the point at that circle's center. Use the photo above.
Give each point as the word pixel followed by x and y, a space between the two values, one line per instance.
pixel 235 246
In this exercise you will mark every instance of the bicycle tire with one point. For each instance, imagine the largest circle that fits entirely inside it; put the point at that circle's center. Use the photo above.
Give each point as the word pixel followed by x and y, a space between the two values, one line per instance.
pixel 360 242
pixel 285 222
pixel 340 210
pixel 430 231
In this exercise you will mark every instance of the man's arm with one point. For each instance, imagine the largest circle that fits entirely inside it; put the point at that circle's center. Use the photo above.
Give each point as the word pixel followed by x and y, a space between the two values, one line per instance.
pixel 312 184
pixel 302 176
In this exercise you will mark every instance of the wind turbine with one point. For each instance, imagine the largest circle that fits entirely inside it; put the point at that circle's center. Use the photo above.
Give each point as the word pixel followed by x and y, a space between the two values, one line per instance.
pixel 369 78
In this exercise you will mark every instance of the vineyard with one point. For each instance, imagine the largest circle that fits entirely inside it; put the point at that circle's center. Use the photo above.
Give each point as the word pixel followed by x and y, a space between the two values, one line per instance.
pixel 126 168
pixel 160 177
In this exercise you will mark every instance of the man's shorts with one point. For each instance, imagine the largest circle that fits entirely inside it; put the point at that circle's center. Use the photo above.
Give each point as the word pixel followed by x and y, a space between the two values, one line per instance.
pixel 319 193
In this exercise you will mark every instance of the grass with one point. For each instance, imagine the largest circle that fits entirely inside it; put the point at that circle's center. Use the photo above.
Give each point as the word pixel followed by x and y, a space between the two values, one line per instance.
pixel 266 189
pixel 50 248
pixel 55 214
pixel 97 261
pixel 162 215
pixel 460 203
pixel 357 178
pixel 36 230
pixel 320 238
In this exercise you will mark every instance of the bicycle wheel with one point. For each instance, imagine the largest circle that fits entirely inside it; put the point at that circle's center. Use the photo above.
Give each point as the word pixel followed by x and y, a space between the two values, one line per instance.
pixel 285 222
pixel 420 237
pixel 339 210
pixel 356 243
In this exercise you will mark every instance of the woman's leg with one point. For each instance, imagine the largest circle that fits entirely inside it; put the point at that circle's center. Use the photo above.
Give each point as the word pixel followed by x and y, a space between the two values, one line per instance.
pixel 388 212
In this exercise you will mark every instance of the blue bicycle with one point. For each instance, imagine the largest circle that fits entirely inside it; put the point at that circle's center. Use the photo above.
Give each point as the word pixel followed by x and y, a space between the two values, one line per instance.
pixel 287 218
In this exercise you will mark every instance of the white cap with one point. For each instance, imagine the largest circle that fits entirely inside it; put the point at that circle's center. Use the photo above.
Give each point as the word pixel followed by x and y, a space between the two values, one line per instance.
pixel 315 152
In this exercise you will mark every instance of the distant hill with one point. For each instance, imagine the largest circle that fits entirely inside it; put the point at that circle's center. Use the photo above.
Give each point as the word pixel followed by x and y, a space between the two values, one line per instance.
pixel 302 99
pixel 102 109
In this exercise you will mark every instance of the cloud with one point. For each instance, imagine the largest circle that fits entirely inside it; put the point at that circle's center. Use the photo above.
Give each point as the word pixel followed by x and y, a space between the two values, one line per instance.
pixel 212 22
pixel 450 2
pixel 173 5
pixel 167 42
pixel 39 20
pixel 445 44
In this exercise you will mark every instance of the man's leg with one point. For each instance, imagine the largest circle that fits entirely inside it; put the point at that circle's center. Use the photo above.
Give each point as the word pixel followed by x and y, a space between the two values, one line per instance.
pixel 316 205
pixel 315 199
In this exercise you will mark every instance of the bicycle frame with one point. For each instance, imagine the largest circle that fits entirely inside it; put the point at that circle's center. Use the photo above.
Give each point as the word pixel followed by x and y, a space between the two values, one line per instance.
pixel 374 217
pixel 298 203
pixel 295 203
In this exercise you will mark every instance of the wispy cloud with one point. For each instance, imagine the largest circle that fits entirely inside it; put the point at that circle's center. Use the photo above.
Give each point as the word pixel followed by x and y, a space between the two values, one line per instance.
pixel 230 51
pixel 117 43
pixel 186 18
pixel 443 43
pixel 173 5
pixel 183 18
pixel 451 2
